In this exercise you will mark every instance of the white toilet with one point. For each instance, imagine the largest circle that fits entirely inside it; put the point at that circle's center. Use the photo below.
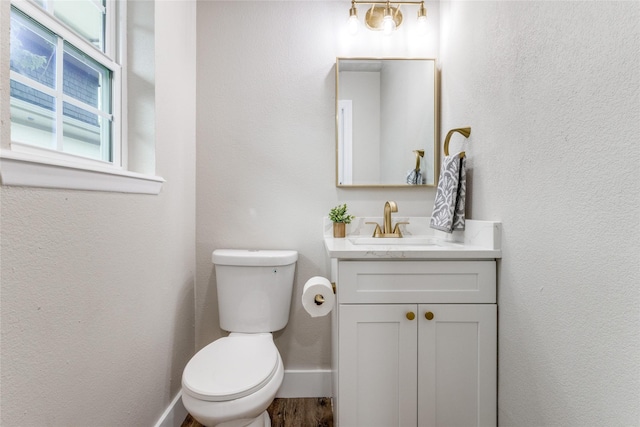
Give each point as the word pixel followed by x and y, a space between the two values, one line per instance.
pixel 232 381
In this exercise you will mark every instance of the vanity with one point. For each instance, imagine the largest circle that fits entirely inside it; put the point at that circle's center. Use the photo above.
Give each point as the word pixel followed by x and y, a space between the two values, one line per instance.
pixel 414 330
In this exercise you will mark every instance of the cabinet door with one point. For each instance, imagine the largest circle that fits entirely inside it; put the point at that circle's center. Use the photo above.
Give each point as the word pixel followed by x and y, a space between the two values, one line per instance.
pixel 377 366
pixel 457 365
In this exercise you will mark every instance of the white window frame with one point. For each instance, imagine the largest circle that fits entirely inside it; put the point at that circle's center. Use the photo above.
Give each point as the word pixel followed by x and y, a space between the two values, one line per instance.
pixel 27 165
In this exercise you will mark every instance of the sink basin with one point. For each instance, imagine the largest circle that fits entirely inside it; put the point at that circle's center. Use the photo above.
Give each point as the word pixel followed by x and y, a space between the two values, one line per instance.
pixel 404 241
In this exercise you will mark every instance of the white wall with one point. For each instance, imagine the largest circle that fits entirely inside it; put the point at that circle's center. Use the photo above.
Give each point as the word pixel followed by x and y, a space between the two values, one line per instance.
pixel 266 144
pixel 97 288
pixel 551 92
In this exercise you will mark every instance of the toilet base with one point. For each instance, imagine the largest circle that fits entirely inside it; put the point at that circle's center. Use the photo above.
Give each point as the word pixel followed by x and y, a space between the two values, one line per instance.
pixel 262 421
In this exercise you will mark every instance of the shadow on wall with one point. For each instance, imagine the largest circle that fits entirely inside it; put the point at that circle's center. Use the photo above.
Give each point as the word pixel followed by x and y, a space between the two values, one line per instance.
pixel 211 311
pixel 304 333
pixel 183 335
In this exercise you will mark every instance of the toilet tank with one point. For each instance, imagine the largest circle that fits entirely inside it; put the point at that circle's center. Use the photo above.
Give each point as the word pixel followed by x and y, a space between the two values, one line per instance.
pixel 254 288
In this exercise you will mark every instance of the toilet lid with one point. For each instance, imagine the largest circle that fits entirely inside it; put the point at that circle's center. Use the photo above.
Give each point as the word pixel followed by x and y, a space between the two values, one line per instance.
pixel 231 367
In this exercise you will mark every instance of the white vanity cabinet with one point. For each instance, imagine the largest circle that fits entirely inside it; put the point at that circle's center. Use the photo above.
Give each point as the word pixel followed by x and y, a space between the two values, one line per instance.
pixel 415 343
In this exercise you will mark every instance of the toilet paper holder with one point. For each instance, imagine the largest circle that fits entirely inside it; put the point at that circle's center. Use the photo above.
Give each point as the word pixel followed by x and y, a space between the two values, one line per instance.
pixel 319 299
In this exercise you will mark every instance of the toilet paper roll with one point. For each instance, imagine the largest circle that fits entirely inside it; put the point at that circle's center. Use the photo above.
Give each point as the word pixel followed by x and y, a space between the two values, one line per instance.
pixel 317 296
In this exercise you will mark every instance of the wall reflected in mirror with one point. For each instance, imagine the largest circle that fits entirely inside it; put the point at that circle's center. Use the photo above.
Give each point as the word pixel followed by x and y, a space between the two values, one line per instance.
pixel 386 128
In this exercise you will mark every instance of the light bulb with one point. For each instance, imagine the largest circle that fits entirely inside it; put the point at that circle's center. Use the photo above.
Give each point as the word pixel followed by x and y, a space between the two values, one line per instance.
pixel 388 25
pixel 422 20
pixel 353 24
pixel 422 25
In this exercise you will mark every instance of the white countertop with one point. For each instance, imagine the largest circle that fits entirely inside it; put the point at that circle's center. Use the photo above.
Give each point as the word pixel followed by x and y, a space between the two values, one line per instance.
pixel 479 240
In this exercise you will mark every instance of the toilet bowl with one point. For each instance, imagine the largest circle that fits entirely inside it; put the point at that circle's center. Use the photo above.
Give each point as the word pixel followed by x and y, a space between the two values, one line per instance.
pixel 232 381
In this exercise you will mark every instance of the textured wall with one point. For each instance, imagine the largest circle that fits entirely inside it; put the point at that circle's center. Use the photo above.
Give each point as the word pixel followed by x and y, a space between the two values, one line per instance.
pixel 266 145
pixel 97 288
pixel 551 91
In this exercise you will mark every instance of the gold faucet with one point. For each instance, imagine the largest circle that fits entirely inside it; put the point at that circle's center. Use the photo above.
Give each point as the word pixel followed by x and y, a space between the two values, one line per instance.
pixel 387 230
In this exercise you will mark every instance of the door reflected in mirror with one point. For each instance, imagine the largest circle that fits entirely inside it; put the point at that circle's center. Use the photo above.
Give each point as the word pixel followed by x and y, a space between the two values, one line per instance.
pixel 386 122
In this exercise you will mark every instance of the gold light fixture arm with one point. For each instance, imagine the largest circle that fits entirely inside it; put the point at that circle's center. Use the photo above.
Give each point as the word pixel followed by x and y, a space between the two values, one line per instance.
pixel 422 12
pixel 353 11
pixel 463 131
pixel 385 2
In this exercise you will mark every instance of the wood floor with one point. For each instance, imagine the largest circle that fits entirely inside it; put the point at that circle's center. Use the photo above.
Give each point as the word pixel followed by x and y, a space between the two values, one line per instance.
pixel 303 412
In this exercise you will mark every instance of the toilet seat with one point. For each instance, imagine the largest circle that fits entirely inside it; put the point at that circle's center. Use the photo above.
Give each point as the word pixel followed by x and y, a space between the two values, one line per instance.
pixel 231 368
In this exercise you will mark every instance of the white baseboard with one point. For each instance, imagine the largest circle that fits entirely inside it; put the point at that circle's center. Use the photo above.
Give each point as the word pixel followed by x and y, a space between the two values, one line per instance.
pixel 175 414
pixel 296 383
pixel 306 383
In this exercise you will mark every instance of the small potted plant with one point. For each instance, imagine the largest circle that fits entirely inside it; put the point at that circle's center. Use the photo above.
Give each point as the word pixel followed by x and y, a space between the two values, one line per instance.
pixel 340 219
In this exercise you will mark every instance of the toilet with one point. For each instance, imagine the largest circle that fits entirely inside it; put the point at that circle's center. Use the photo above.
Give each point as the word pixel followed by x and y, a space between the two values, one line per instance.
pixel 232 381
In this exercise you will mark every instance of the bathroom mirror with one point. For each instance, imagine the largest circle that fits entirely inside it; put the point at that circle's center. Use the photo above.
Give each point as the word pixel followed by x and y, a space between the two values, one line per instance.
pixel 386 120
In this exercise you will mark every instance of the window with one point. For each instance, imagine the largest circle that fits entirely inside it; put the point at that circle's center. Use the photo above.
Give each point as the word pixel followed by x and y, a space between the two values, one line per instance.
pixel 63 89
pixel 66 88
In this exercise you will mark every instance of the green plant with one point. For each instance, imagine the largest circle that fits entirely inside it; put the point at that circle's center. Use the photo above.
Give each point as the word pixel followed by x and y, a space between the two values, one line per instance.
pixel 339 214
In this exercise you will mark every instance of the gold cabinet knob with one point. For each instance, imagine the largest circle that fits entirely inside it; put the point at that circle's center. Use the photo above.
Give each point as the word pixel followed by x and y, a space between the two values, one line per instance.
pixel 428 315
pixel 411 315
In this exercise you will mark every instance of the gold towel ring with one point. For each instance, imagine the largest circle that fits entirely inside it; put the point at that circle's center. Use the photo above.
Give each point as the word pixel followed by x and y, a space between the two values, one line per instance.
pixel 463 131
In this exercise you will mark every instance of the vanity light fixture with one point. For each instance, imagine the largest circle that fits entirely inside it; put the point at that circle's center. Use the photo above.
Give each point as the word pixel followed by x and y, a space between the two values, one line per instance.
pixel 382 16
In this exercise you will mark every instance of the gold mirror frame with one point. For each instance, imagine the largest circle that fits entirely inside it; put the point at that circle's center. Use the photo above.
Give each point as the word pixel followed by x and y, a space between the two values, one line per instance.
pixel 434 150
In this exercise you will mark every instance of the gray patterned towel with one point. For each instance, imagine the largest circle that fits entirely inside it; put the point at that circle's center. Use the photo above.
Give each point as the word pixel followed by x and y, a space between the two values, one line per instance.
pixel 448 207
